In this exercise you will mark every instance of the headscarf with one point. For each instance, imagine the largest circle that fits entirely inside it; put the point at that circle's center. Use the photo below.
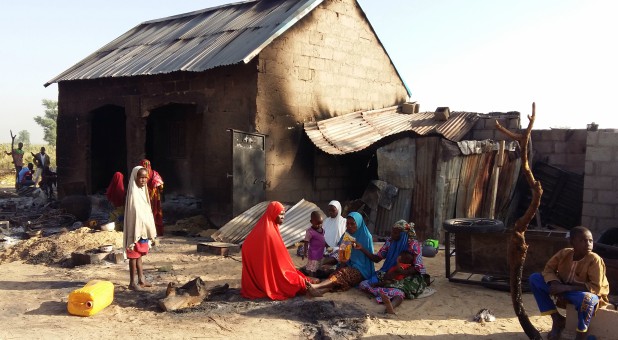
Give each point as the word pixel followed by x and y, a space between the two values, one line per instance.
pixel 267 268
pixel 407 227
pixel 154 179
pixel 396 247
pixel 334 227
pixel 362 235
pixel 138 219
pixel 115 191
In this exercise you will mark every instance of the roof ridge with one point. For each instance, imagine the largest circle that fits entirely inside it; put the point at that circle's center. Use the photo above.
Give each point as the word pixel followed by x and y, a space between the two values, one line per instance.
pixel 196 12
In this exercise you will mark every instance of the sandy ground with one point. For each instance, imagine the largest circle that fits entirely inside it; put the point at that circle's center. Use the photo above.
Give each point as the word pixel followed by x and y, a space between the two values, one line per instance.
pixel 33 301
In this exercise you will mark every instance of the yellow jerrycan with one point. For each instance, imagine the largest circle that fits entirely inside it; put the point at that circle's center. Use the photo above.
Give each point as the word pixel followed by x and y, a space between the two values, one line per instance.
pixel 91 299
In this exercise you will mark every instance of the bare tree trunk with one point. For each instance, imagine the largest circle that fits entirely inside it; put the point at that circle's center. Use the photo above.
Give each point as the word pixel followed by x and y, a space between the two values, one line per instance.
pixel 517 246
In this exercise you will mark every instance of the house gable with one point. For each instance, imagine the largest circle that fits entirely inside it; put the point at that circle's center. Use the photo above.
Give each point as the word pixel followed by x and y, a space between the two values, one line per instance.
pixel 329 63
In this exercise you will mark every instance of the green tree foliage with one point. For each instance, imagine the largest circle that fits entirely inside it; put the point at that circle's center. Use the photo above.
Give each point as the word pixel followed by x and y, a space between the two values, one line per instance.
pixel 23 136
pixel 48 122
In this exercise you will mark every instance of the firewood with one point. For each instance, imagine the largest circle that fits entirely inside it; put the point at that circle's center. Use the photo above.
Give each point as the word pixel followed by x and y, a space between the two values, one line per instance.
pixel 189 295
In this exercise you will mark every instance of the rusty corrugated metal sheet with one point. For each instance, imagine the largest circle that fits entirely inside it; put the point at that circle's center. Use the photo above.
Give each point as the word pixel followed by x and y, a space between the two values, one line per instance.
pixel 474 189
pixel 357 130
pixel 447 183
pixel 450 183
pixel 195 41
pixel 451 180
pixel 292 230
pixel 475 172
pixel 507 184
pixel 423 201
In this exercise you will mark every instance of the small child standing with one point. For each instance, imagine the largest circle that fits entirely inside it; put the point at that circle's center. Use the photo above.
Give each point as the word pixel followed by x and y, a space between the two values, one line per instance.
pixel 139 226
pixel 576 275
pixel 314 243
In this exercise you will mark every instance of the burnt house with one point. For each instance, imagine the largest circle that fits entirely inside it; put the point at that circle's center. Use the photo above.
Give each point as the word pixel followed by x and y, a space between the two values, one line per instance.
pixel 217 100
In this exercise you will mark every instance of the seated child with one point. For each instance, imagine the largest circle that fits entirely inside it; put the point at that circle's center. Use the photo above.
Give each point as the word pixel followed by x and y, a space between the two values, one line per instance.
pixel 576 275
pixel 25 176
pixel 314 244
pixel 384 289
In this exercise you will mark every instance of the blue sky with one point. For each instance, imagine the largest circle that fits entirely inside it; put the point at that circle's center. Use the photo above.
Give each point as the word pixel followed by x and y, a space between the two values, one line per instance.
pixel 474 55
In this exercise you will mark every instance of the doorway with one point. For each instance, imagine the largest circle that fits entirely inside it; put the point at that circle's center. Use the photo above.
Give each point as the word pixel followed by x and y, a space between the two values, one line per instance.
pixel 173 135
pixel 108 151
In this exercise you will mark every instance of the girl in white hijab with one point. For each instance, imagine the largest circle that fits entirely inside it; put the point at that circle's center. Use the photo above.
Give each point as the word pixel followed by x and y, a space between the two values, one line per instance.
pixel 139 226
pixel 334 225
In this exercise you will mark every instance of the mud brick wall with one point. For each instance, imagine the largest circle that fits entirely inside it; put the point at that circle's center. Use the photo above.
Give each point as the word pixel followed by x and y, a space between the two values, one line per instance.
pixel 600 202
pixel 562 148
pixel 223 98
pixel 330 63
pixel 341 178
pixel 330 179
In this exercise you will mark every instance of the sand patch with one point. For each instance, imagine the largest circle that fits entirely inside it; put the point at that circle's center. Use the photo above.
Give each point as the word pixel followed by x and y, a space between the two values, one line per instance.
pixel 57 249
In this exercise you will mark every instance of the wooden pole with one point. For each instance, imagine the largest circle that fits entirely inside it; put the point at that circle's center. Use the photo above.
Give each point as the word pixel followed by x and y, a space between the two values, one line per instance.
pixel 517 247
pixel 495 179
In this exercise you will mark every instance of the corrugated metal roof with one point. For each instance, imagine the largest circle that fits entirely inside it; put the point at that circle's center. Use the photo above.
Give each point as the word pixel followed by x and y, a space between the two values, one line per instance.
pixel 195 41
pixel 292 230
pixel 357 130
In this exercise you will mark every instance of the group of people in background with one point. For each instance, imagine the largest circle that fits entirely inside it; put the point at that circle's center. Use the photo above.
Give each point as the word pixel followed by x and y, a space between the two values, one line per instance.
pixel 138 213
pixel 26 176
pixel 344 244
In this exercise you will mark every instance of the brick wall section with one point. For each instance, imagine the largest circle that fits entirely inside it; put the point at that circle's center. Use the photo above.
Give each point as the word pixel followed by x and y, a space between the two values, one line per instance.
pixel 328 64
pixel 485 128
pixel 600 203
pixel 562 148
pixel 341 178
pixel 330 179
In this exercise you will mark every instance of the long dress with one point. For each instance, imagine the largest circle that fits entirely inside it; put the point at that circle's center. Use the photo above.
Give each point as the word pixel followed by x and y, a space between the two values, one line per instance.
pixel 267 268
pixel 138 221
pixel 359 267
pixel 334 228
pixel 155 185
pixel 409 287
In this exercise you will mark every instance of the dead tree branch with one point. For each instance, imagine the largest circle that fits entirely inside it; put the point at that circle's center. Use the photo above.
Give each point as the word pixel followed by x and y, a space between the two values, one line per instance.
pixel 517 246
pixel 12 142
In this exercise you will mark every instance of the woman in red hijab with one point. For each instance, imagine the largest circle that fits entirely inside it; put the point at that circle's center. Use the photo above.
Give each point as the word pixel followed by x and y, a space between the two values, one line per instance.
pixel 115 195
pixel 155 187
pixel 267 268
